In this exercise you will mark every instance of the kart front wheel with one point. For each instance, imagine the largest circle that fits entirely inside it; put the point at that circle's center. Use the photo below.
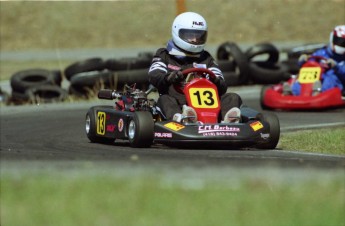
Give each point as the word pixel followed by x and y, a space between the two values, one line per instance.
pixel 273 121
pixel 141 130
pixel 90 128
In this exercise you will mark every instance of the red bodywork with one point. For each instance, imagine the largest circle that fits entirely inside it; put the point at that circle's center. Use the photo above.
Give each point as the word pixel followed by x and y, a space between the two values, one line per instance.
pixel 274 98
pixel 202 95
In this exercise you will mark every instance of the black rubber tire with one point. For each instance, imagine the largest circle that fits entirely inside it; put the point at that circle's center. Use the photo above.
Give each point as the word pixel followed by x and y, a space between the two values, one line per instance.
pixel 292 65
pixel 114 80
pixel 23 80
pixel 91 78
pixel 46 94
pixel 268 73
pixel 226 65
pixel 273 121
pixel 90 120
pixel 231 78
pixel 92 64
pixel 263 49
pixel 128 63
pixel 143 131
pixel 230 51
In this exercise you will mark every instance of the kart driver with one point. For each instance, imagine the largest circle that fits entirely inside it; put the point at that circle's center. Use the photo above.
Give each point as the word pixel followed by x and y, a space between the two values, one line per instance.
pixel 334 54
pixel 186 50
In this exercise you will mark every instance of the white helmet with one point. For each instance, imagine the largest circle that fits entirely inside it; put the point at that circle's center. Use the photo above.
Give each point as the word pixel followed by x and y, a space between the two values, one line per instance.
pixel 337 40
pixel 189 32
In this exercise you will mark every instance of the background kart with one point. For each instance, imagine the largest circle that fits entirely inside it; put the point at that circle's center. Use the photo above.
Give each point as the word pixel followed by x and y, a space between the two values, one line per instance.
pixel 274 97
pixel 137 119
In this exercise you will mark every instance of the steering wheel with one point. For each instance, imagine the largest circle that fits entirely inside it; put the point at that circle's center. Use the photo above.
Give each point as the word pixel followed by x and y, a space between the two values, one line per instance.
pixel 321 60
pixel 202 72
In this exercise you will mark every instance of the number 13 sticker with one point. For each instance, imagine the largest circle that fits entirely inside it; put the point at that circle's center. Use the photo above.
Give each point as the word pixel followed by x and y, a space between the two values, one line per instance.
pixel 203 97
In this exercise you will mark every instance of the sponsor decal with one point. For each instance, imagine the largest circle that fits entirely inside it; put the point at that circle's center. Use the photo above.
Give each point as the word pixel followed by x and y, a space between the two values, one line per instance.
pixel 198 23
pixel 163 135
pixel 265 136
pixel 120 125
pixel 256 125
pixel 101 119
pixel 111 128
pixel 174 67
pixel 174 126
pixel 218 130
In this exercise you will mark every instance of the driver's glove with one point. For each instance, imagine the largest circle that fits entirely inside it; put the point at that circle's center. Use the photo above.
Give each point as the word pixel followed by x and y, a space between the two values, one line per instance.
pixel 331 63
pixel 175 77
pixel 302 59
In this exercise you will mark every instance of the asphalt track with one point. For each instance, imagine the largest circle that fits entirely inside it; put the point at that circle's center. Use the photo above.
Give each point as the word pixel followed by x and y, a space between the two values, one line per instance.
pixel 55 132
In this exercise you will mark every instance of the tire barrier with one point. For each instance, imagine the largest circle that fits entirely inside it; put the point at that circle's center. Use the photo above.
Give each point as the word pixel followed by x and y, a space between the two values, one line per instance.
pixel 261 50
pixel 231 52
pixel 23 80
pixel 82 83
pixel 263 65
pixel 92 64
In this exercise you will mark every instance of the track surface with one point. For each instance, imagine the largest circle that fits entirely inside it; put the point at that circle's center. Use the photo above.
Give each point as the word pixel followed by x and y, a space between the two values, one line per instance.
pixel 56 132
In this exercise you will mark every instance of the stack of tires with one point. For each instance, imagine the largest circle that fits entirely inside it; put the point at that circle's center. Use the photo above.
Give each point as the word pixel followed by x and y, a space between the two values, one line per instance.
pixel 264 66
pixel 233 64
pixel 37 86
pixel 92 74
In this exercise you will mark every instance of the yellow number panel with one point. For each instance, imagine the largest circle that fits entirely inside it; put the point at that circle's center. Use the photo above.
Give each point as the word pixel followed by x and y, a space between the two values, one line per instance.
pixel 101 117
pixel 203 97
pixel 309 74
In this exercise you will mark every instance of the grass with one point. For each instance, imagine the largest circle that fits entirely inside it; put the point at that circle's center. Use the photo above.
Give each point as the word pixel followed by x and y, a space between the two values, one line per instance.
pixel 94 197
pixel 113 24
pixel 326 141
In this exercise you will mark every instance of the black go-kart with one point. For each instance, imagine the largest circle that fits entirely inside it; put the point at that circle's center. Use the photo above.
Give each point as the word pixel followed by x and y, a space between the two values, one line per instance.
pixel 138 119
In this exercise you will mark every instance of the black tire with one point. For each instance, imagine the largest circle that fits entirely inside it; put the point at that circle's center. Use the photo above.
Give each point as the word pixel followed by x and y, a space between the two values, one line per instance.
pixel 46 94
pixel 273 121
pixel 23 80
pixel 141 130
pixel 230 51
pixel 292 65
pixel 226 65
pixel 231 78
pixel 90 128
pixel 92 64
pixel 128 63
pixel 109 79
pixel 91 78
pixel 262 49
pixel 268 73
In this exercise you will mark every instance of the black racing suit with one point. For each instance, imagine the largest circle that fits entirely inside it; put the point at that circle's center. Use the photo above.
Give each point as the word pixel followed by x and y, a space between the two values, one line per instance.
pixel 170 101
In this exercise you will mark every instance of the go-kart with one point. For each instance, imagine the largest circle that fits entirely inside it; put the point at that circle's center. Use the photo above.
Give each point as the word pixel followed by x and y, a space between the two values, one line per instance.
pixel 138 119
pixel 312 71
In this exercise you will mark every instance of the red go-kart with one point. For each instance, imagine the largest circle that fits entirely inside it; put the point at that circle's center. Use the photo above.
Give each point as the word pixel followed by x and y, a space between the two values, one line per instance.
pixel 275 97
pixel 136 118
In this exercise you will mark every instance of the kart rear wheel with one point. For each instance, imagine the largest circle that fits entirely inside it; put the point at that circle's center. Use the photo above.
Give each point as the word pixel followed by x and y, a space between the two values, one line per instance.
pixel 90 128
pixel 141 129
pixel 273 121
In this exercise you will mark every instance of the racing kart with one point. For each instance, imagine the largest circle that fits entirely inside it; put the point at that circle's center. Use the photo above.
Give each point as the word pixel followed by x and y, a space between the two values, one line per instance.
pixel 274 97
pixel 138 119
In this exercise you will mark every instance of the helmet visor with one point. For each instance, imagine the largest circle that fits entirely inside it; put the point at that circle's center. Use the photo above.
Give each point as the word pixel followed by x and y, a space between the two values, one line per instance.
pixel 196 37
pixel 339 41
